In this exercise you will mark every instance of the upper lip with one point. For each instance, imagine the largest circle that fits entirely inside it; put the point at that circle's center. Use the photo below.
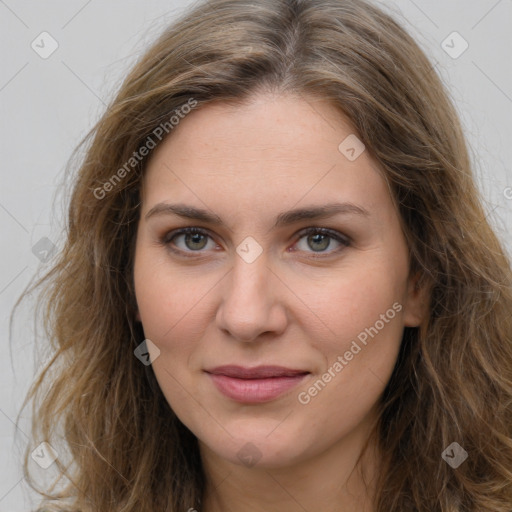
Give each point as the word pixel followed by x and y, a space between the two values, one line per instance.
pixel 257 372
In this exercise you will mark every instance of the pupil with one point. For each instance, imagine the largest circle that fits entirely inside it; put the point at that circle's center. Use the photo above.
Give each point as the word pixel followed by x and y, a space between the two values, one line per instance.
pixel 316 237
pixel 195 239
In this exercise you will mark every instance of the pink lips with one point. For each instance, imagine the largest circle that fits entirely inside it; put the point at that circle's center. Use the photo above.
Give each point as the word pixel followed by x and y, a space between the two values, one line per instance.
pixel 255 385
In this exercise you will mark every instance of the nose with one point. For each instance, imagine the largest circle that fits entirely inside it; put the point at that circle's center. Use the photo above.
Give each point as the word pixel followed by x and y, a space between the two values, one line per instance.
pixel 251 303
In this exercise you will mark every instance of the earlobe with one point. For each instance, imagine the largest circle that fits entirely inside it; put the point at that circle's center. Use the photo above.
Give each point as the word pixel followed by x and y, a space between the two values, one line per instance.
pixel 137 316
pixel 417 303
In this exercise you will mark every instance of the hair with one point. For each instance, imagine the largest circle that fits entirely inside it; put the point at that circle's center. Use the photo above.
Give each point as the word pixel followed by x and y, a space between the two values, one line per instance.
pixel 452 381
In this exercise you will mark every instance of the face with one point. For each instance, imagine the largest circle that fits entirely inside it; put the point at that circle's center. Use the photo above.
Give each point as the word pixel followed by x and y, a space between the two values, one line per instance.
pixel 304 312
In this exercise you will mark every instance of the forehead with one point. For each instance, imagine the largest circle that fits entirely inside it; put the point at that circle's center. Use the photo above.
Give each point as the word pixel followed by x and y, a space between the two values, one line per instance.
pixel 288 126
pixel 270 152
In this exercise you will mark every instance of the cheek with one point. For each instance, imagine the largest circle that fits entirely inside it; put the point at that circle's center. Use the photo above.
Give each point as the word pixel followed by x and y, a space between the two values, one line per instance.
pixel 163 298
pixel 354 301
pixel 170 309
pixel 363 314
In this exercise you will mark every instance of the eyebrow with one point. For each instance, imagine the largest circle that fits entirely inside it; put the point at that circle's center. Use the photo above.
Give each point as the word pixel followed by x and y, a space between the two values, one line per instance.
pixel 282 219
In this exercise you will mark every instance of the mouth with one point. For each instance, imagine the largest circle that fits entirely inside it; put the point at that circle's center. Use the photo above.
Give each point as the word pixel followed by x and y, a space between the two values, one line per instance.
pixel 255 385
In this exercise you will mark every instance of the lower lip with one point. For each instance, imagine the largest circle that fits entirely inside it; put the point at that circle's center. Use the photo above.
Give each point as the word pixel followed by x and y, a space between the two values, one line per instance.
pixel 255 391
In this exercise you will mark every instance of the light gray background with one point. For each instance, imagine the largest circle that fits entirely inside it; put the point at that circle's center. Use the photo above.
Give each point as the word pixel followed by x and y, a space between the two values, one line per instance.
pixel 48 105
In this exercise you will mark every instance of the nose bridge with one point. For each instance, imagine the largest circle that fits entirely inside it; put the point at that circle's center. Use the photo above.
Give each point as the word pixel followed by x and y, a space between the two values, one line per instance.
pixel 249 305
pixel 250 276
pixel 249 289
pixel 250 269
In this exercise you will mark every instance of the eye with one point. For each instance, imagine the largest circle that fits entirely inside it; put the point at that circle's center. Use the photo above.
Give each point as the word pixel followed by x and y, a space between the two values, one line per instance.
pixel 196 239
pixel 320 239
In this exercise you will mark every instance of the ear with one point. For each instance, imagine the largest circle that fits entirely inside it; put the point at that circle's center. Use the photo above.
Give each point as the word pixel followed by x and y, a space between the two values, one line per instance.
pixel 416 304
pixel 137 315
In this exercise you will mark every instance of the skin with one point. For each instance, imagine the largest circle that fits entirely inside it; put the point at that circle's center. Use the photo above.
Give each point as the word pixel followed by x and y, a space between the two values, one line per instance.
pixel 247 164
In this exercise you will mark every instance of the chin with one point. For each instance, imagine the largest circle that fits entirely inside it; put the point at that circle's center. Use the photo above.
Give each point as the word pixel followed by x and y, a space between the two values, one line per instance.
pixel 262 448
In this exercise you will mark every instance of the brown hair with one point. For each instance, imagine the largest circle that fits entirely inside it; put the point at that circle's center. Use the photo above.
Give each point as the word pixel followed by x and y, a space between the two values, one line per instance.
pixel 453 377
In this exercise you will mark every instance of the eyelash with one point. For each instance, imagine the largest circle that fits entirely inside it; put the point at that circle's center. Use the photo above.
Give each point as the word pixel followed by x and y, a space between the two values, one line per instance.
pixel 342 239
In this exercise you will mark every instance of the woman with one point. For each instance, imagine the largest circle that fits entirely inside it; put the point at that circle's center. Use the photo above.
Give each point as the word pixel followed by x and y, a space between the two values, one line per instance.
pixel 279 290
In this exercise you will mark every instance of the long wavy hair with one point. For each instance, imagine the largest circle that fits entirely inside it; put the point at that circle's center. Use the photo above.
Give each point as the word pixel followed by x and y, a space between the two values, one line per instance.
pixel 121 447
